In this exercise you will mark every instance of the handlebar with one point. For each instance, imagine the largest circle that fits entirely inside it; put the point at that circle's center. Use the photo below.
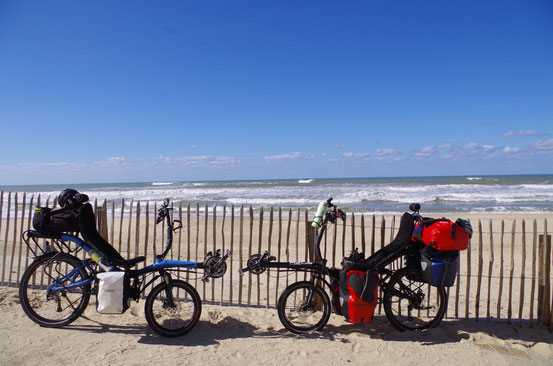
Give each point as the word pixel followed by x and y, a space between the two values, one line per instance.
pixel 415 207
pixel 164 212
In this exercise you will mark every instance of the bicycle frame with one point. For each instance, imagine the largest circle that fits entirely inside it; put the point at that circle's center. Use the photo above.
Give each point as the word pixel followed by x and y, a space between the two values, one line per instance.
pixel 319 270
pixel 160 265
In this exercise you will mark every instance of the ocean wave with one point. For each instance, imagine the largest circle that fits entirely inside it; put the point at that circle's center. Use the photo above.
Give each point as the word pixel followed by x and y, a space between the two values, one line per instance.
pixel 273 201
pixel 533 194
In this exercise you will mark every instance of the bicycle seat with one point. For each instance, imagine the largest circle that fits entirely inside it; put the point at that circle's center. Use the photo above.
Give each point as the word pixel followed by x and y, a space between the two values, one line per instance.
pixel 390 252
pixel 87 222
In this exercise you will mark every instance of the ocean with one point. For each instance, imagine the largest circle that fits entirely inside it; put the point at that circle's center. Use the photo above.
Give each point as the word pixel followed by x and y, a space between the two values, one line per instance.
pixel 470 194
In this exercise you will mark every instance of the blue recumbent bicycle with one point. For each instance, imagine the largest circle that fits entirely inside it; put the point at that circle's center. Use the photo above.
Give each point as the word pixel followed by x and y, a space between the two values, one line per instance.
pixel 56 287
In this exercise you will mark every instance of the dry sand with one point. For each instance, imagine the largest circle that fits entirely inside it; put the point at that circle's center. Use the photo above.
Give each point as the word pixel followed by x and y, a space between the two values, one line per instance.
pixel 251 336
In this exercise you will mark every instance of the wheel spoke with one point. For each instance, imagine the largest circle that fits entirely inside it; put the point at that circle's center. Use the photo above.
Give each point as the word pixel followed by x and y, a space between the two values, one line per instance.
pixel 297 314
pixel 174 317
pixel 54 308
pixel 409 305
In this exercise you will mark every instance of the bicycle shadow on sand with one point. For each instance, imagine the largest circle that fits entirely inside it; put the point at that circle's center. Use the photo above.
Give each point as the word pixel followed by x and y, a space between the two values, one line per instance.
pixel 448 331
pixel 208 332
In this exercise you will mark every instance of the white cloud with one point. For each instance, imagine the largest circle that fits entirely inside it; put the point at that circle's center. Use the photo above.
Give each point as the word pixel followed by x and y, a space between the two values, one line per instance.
pixel 544 144
pixel 62 164
pixel 425 151
pixel 115 159
pixel 339 146
pixel 524 133
pixel 510 150
pixel 294 156
pixel 351 155
pixel 199 160
pixel 471 146
pixel 386 152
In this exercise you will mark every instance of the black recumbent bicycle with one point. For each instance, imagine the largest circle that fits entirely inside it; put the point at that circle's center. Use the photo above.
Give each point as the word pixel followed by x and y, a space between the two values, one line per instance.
pixel 409 304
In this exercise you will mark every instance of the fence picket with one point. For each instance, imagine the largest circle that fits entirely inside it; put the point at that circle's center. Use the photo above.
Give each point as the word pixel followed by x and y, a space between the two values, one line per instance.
pixel 269 250
pixel 14 243
pixel 479 280
pixel 7 233
pixel 533 284
pixel 522 273
pixel 500 272
pixel 511 273
pixel 490 270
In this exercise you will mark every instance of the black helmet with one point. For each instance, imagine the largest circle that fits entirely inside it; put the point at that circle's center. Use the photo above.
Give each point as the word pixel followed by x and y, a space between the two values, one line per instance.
pixel 70 198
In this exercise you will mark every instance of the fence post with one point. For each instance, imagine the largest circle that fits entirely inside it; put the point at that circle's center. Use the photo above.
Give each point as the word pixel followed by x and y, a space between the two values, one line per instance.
pixel 544 281
pixel 102 221
pixel 310 233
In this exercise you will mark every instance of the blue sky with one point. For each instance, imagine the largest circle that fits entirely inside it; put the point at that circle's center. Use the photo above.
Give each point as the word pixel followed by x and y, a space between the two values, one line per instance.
pixel 104 91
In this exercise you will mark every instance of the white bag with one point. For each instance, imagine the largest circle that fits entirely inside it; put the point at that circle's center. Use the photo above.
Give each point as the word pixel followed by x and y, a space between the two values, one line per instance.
pixel 113 289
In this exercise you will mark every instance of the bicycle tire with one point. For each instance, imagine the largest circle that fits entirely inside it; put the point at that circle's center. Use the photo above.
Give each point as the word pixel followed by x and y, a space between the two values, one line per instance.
pixel 59 308
pixel 166 320
pixel 416 308
pixel 296 315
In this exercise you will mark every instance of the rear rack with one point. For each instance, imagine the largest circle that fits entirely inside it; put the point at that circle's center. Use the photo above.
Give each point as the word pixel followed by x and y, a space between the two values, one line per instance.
pixel 41 243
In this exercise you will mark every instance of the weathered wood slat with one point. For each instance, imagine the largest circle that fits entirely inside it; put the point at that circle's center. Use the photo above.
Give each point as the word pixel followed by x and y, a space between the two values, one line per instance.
pixel 250 244
pixel 21 230
pixel 240 253
pixel 511 273
pixel 6 236
pixel 501 260
pixel 490 271
pixel 467 288
pixel 479 279
pixel 14 242
pixel 522 273
pixel 533 285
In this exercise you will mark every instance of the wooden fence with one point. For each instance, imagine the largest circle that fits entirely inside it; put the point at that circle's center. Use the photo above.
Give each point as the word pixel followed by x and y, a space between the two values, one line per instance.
pixel 505 275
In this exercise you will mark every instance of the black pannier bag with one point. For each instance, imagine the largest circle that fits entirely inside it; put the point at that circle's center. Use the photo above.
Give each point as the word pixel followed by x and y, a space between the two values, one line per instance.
pixel 355 260
pixel 413 261
pixel 55 221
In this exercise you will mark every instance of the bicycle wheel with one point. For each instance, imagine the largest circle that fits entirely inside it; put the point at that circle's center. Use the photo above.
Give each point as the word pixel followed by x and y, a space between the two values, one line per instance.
pixel 413 305
pixel 177 317
pixel 44 290
pixel 299 315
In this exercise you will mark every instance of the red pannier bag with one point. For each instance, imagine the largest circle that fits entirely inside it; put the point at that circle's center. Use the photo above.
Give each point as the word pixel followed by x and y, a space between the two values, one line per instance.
pixel 358 294
pixel 442 234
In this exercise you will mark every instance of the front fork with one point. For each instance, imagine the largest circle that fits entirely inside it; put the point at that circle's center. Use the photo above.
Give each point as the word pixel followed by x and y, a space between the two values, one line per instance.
pixel 169 299
pixel 309 300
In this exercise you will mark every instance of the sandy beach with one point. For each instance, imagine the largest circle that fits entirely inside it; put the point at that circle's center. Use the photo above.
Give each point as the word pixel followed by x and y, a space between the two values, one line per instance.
pixel 237 335
pixel 251 336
